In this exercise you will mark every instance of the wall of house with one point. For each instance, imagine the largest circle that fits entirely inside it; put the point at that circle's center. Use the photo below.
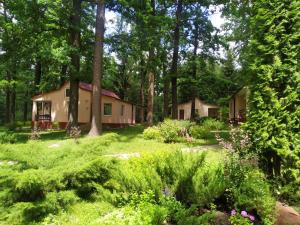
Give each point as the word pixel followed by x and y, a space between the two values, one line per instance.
pixel 200 105
pixel 239 106
pixel 59 108
pixel 116 117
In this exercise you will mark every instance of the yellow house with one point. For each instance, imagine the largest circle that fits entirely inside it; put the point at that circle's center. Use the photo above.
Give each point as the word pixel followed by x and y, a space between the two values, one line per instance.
pixel 52 107
pixel 202 109
pixel 238 105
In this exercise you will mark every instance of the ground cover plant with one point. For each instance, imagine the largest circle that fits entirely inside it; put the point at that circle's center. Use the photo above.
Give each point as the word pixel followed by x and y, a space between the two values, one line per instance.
pixel 92 181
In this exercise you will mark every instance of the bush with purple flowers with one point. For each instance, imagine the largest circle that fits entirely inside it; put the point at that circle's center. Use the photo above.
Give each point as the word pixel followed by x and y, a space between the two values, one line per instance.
pixel 242 218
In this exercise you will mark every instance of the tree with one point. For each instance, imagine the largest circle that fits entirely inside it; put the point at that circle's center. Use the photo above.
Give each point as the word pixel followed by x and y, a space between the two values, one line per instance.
pixel 175 59
pixel 96 124
pixel 151 67
pixel 274 115
pixel 75 63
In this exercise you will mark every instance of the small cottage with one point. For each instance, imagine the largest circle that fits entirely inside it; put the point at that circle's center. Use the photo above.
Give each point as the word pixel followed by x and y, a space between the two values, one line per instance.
pixel 52 107
pixel 238 105
pixel 202 109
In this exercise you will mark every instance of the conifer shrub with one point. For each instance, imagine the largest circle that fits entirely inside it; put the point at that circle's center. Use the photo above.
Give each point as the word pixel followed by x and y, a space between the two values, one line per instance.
pixel 29 185
pixel 274 116
pixel 253 194
pixel 87 178
pixel 8 138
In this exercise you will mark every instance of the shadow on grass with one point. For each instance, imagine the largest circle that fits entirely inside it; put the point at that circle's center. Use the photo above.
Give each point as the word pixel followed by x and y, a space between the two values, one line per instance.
pixel 127 134
pixel 23 136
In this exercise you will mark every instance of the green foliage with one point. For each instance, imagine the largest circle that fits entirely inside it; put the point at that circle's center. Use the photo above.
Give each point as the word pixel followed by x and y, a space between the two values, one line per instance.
pixel 87 179
pixel 254 194
pixel 240 220
pixel 152 133
pixel 44 182
pixel 204 130
pixel 29 185
pixel 8 138
pixel 274 114
pixel 200 184
pixel 201 132
pixel 174 130
pixel 213 124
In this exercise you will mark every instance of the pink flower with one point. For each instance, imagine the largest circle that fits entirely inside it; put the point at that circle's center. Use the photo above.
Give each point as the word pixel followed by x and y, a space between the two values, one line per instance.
pixel 244 214
pixel 252 218
pixel 233 212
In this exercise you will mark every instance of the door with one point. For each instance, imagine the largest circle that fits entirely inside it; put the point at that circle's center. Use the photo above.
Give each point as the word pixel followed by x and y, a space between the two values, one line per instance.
pixel 181 114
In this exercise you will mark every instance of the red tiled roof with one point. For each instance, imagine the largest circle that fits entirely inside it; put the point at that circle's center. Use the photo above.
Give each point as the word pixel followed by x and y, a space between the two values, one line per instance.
pixel 88 87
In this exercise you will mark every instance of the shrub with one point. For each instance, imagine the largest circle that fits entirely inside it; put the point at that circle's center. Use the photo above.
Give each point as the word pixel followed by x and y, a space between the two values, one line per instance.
pixel 8 138
pixel 242 218
pixel 152 133
pixel 200 132
pixel 213 124
pixel 86 180
pixel 29 185
pixel 174 130
pixel 209 184
pixel 253 194
pixel 204 130
pixel 26 212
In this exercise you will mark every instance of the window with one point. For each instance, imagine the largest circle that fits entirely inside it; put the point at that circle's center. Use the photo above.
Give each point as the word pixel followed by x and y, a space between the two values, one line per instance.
pixel 107 109
pixel 67 93
pixel 122 110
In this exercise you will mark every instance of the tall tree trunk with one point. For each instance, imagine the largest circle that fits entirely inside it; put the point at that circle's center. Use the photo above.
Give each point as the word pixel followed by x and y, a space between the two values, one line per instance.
pixel 175 60
pixel 13 104
pixel 8 102
pixel 151 79
pixel 194 73
pixel 142 91
pixel 166 91
pixel 37 75
pixel 63 74
pixel 151 72
pixel 25 107
pixel 8 75
pixel 96 123
pixel 75 64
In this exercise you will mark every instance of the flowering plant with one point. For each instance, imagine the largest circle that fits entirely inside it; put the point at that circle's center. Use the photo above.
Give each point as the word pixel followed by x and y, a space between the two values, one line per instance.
pixel 242 218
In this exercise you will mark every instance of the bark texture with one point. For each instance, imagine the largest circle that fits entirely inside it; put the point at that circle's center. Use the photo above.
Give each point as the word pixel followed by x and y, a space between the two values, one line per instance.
pixel 151 74
pixel 75 64
pixel 96 125
pixel 175 60
pixel 194 71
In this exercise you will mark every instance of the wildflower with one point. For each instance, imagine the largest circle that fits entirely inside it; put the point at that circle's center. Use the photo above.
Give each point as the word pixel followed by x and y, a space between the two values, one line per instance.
pixel 252 218
pixel 244 214
pixel 233 212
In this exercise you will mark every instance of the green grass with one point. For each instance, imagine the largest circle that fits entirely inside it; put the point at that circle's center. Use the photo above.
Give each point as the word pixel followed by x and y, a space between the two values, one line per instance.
pixel 56 155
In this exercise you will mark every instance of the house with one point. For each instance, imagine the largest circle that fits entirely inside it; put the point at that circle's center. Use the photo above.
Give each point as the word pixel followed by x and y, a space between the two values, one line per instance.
pixel 238 105
pixel 52 107
pixel 202 109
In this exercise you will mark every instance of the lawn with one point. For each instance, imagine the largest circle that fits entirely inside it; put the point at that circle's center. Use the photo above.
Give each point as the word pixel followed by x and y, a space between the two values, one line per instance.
pixel 34 173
